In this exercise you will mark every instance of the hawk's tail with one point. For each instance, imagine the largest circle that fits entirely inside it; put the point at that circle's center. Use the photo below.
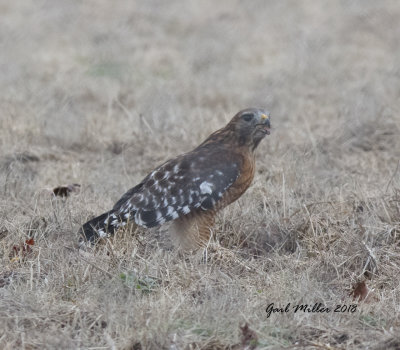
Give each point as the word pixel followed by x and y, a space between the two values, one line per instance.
pixel 101 226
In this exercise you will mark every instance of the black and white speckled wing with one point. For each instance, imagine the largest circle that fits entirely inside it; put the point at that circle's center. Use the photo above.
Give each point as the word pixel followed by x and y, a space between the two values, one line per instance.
pixel 178 187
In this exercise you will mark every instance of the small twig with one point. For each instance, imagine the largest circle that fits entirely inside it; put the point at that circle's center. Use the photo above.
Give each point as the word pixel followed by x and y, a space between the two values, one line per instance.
pixel 371 258
pixel 144 121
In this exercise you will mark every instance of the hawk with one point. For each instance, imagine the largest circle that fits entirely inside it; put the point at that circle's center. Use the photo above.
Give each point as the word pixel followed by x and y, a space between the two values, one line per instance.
pixel 190 189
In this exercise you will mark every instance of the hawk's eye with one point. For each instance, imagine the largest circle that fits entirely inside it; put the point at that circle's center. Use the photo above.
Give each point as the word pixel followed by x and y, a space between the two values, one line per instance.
pixel 247 117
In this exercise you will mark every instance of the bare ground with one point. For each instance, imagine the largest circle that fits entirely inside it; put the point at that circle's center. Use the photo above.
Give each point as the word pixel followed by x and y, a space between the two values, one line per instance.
pixel 99 92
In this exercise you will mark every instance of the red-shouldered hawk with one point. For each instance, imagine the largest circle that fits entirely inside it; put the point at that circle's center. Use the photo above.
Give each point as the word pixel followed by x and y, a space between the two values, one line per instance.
pixel 192 187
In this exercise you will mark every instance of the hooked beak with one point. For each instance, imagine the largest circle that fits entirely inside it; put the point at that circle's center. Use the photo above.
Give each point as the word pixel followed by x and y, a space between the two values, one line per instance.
pixel 265 125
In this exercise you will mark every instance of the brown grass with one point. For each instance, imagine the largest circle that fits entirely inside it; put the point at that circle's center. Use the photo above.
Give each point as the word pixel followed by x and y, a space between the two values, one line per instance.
pixel 99 92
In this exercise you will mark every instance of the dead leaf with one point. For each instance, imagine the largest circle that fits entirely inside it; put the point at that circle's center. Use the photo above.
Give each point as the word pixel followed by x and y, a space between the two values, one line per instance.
pixel 19 252
pixel 360 291
pixel 66 190
pixel 30 241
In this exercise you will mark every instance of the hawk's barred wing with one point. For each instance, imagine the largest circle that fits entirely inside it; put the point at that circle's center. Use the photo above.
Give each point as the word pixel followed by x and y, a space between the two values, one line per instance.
pixel 178 187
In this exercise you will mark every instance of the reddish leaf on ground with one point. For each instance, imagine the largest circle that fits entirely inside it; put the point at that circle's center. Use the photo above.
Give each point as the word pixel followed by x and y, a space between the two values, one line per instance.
pixel 360 291
pixel 30 241
pixel 21 250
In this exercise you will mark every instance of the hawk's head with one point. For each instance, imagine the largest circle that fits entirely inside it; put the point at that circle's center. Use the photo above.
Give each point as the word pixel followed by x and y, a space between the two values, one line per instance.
pixel 250 126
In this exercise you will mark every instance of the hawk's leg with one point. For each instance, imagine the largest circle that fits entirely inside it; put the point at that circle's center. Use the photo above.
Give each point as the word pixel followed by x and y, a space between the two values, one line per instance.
pixel 194 230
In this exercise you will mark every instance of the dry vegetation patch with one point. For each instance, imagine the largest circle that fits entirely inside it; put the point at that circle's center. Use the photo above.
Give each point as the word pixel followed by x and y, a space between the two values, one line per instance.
pixel 98 94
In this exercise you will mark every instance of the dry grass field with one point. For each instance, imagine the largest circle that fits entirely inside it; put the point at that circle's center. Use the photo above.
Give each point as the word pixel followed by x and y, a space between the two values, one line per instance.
pixel 100 92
